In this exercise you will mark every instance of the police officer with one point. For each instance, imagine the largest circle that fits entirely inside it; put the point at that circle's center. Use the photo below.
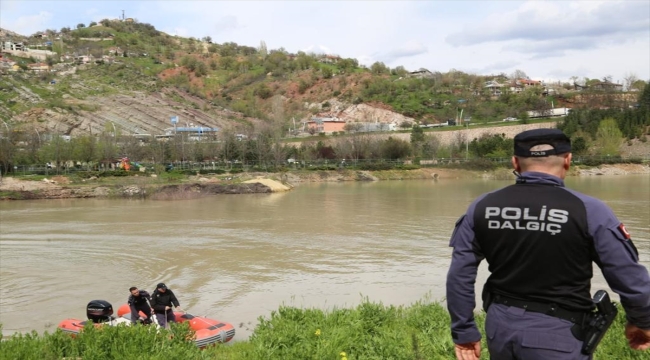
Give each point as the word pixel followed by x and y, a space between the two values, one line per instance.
pixel 162 301
pixel 540 239
pixel 139 302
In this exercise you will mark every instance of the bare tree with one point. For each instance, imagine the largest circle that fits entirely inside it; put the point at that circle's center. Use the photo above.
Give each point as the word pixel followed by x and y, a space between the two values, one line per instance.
pixel 630 79
pixel 518 74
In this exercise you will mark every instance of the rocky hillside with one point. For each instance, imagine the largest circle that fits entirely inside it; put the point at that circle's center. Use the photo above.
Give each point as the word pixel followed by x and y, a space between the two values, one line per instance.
pixel 131 78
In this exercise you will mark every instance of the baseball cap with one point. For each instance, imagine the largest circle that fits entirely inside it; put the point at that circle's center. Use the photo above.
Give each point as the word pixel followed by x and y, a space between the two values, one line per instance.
pixel 524 141
pixel 161 286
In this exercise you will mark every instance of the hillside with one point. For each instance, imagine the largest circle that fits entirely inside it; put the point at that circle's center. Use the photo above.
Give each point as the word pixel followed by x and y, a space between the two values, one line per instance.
pixel 130 77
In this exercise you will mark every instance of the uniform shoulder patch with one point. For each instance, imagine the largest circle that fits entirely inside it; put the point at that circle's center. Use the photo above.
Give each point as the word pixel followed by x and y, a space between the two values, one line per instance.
pixel 621 228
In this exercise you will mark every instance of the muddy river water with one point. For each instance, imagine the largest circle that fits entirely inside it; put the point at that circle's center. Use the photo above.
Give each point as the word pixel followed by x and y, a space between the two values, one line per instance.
pixel 238 257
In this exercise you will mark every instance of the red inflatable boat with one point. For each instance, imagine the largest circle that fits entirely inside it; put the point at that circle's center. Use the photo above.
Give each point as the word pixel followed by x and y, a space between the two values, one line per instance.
pixel 207 331
pixel 98 312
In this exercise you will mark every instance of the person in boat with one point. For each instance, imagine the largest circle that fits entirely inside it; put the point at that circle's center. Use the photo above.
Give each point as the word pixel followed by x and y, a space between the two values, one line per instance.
pixel 540 240
pixel 162 301
pixel 139 302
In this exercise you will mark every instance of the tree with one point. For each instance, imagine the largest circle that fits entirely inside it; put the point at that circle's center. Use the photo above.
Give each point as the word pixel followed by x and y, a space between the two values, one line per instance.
pixel 92 23
pixel 639 85
pixel 518 74
pixel 262 50
pixel 417 134
pixel 395 149
pixel 327 72
pixel 207 39
pixel 80 25
pixel 629 79
pixel 379 68
pixel 417 140
pixel 400 71
pixel 263 91
pixel 609 137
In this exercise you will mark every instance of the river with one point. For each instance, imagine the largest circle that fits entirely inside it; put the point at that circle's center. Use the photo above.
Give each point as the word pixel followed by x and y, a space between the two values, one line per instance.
pixel 238 257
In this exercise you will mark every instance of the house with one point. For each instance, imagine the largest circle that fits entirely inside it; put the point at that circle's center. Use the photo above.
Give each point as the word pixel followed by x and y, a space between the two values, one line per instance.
pixel 326 125
pixel 38 67
pixel 376 126
pixel 421 73
pixel 84 59
pixel 528 83
pixel 493 88
pixel 520 85
pixel 606 86
pixel 13 46
pixel 329 59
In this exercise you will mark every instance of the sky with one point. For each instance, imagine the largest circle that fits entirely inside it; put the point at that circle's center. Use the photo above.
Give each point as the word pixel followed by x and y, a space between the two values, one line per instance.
pixel 548 40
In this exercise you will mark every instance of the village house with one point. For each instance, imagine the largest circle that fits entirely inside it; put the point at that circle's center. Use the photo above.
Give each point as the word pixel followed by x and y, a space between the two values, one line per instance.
pixel 13 46
pixel 84 59
pixel 493 88
pixel 421 73
pixel 39 67
pixel 329 59
pixel 326 125
pixel 606 86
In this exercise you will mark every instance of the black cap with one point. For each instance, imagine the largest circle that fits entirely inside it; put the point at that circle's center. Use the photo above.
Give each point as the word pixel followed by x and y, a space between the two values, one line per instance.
pixel 161 286
pixel 526 140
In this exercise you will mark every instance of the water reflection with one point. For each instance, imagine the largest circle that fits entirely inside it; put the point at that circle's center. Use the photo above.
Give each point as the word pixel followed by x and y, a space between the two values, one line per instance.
pixel 239 257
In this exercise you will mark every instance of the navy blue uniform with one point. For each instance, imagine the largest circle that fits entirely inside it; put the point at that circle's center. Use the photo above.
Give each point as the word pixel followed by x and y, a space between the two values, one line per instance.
pixel 540 240
pixel 139 303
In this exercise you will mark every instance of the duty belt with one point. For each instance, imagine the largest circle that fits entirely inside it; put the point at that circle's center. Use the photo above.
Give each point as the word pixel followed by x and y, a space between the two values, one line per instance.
pixel 575 317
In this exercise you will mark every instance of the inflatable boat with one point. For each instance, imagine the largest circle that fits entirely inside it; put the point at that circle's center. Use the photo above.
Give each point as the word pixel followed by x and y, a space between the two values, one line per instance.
pixel 207 331
pixel 98 312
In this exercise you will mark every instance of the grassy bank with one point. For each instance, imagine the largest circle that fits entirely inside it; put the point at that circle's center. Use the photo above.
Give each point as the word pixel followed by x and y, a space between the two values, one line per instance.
pixel 369 331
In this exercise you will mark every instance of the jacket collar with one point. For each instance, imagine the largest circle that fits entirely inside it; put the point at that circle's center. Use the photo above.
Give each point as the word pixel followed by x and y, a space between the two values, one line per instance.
pixel 533 177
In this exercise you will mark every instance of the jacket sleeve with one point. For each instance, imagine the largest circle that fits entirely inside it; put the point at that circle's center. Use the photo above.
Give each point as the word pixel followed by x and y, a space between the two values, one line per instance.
pixel 173 299
pixel 618 259
pixel 461 279
pixel 132 305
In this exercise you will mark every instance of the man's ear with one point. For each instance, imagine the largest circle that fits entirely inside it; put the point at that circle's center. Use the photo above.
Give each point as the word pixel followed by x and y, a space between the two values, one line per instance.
pixel 567 161
pixel 515 164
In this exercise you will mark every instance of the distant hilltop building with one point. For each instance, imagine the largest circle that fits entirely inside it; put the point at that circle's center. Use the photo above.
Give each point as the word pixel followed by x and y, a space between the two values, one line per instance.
pixel 421 73
pixel 13 46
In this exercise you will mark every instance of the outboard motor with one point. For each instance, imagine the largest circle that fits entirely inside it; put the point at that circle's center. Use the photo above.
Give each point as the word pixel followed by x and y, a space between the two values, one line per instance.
pixel 99 311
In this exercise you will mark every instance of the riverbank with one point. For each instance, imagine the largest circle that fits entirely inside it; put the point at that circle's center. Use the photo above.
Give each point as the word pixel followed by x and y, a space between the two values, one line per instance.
pixel 158 188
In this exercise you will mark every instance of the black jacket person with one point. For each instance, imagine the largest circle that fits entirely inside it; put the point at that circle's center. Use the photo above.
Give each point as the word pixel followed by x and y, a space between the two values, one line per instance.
pixel 162 301
pixel 139 302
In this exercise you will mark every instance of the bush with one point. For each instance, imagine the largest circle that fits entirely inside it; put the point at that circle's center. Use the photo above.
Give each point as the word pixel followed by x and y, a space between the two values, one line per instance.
pixel 376 166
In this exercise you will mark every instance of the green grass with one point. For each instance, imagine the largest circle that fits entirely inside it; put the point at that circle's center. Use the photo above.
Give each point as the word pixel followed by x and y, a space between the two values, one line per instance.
pixel 369 331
